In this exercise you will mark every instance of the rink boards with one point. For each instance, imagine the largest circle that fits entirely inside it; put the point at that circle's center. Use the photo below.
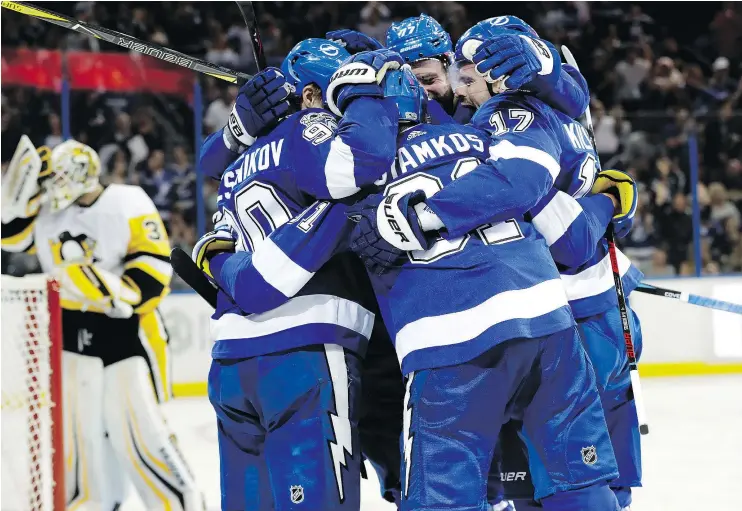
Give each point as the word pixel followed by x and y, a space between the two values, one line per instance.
pixel 679 339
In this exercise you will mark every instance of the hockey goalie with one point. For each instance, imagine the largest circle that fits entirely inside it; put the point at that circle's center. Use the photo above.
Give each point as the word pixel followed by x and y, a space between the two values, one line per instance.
pixel 108 248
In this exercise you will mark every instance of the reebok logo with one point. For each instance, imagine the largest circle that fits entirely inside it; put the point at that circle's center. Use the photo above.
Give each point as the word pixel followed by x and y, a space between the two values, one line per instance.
pixel 415 134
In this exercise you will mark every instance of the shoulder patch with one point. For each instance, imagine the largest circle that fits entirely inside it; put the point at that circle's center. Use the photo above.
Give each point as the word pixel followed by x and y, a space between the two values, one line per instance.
pixel 319 127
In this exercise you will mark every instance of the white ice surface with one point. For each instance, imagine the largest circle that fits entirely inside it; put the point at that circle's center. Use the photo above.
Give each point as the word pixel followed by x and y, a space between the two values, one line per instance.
pixel 692 456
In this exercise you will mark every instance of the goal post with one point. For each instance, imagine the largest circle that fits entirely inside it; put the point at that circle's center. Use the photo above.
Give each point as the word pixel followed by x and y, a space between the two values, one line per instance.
pixel 31 384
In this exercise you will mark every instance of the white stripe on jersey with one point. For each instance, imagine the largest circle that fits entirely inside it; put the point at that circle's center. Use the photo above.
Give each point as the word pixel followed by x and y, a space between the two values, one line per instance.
pixel 507 150
pixel 340 170
pixel 596 279
pixel 278 269
pixel 556 217
pixel 299 311
pixel 458 327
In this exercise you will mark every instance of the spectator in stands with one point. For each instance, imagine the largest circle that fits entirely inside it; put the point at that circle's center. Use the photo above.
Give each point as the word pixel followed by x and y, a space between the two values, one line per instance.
pixel 721 207
pixel 676 230
pixel 610 128
pixel 221 53
pixel 375 20
pixel 720 83
pixel 218 110
pixel 157 182
pixel 54 138
pixel 632 72
pixel 183 191
pixel 659 266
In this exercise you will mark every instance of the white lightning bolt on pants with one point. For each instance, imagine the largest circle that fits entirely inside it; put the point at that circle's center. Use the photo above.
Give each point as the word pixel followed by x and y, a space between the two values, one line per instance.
pixel 288 430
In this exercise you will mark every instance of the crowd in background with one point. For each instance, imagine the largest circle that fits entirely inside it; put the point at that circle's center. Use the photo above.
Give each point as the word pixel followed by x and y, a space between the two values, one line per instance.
pixel 660 75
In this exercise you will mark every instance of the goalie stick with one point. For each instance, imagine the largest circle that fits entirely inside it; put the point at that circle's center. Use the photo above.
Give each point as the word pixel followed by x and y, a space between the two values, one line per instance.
pixel 623 311
pixel 692 299
pixel 129 42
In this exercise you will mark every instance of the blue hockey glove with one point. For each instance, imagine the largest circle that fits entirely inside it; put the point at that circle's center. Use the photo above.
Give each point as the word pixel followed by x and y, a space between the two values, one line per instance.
pixel 210 244
pixel 621 186
pixel 260 104
pixel 387 227
pixel 512 61
pixel 360 75
pixel 353 40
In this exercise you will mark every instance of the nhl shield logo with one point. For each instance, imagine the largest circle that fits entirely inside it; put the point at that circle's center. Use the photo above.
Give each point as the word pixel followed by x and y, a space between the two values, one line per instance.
pixel 297 494
pixel 589 455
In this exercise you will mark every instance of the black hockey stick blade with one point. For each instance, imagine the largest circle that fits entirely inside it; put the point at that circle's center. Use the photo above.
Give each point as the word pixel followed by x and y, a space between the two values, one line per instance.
pixel 129 42
pixel 251 20
pixel 187 270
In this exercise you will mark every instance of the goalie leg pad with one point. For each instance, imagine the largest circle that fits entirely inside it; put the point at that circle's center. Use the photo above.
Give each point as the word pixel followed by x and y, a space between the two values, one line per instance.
pixel 142 441
pixel 83 431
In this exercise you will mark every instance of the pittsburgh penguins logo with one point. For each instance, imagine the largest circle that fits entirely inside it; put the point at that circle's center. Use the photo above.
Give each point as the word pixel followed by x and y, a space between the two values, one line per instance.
pixel 70 249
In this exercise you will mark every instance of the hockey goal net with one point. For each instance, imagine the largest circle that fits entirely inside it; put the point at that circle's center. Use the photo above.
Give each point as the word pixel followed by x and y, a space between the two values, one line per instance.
pixel 31 385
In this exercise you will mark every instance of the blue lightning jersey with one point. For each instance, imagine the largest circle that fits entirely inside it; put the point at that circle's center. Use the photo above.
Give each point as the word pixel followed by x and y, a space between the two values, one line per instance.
pixel 541 161
pixel 277 182
pixel 466 294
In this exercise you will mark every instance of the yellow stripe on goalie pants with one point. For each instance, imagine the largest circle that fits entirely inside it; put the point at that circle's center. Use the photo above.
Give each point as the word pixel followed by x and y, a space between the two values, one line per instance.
pixel 153 334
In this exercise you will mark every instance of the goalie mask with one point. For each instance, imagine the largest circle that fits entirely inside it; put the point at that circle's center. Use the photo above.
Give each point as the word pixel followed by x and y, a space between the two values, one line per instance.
pixel 75 171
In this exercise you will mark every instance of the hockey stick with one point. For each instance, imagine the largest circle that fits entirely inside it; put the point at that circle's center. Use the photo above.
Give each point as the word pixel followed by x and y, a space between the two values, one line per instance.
pixel 129 42
pixel 641 412
pixel 187 270
pixel 248 14
pixel 701 301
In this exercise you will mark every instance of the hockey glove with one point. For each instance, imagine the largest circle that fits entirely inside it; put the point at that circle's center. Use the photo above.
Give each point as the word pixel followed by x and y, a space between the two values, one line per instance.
pixel 353 40
pixel 387 227
pixel 22 182
pixel 512 61
pixel 210 244
pixel 93 289
pixel 621 186
pixel 360 75
pixel 260 104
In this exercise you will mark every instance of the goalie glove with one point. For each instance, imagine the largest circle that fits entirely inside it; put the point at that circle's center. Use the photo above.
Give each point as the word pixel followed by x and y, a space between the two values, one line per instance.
pixel 360 75
pixel 210 244
pixel 89 288
pixel 623 188
pixel 21 183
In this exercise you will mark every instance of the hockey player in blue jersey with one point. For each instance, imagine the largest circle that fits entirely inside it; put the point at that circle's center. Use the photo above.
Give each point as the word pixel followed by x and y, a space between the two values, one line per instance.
pixel 476 311
pixel 285 381
pixel 589 284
